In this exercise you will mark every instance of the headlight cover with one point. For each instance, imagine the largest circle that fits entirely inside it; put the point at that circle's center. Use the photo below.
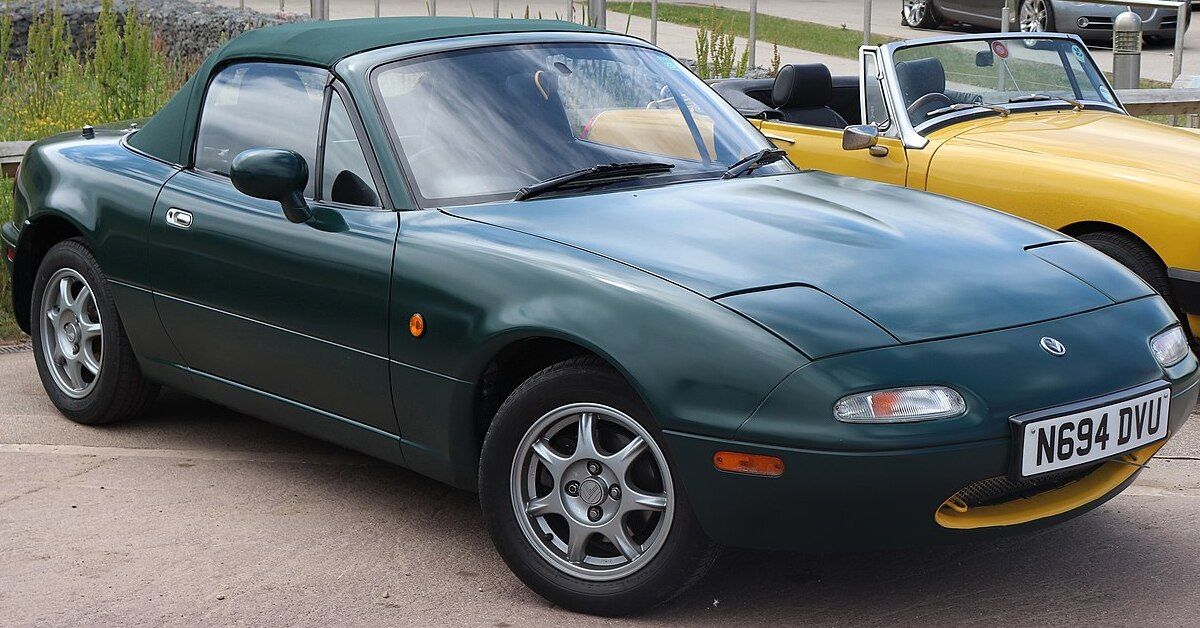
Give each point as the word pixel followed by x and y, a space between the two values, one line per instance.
pixel 900 405
pixel 1169 347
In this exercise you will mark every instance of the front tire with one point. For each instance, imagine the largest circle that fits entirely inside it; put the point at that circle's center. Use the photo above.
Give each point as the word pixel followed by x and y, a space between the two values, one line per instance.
pixel 83 355
pixel 1036 16
pixel 579 495
pixel 1136 257
pixel 919 14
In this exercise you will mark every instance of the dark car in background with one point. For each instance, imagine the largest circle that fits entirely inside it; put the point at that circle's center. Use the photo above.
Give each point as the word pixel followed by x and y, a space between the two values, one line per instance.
pixel 1090 20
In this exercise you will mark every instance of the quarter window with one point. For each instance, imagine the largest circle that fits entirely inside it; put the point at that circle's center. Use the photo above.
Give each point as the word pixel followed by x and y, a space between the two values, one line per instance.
pixel 346 178
pixel 260 105
pixel 875 111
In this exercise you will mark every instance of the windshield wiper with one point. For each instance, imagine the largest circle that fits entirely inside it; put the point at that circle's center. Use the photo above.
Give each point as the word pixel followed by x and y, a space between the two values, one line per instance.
pixel 963 106
pixel 600 173
pixel 1040 97
pixel 750 163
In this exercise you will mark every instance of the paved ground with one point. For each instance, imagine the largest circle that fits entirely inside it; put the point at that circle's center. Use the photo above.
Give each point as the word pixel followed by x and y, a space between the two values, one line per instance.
pixel 1156 62
pixel 197 515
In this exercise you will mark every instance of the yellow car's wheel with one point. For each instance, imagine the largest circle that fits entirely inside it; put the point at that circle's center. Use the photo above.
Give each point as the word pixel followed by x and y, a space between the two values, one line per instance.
pixel 1136 257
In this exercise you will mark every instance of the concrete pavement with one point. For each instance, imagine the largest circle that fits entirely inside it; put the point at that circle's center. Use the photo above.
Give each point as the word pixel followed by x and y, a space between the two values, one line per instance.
pixel 197 515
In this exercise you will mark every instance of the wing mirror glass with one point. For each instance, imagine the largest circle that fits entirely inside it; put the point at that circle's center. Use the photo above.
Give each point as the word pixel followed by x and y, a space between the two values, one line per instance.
pixel 984 59
pixel 273 174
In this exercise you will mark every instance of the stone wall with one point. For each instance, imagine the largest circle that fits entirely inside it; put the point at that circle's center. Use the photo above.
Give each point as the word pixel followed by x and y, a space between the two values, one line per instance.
pixel 185 29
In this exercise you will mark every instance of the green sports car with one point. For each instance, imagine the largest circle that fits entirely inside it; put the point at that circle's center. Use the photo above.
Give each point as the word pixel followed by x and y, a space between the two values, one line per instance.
pixel 549 264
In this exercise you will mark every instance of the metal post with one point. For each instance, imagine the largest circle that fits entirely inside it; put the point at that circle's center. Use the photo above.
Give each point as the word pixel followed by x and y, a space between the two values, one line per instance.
pixel 318 9
pixel 432 7
pixel 1180 30
pixel 376 8
pixel 867 23
pixel 1006 16
pixel 753 33
pixel 495 8
pixel 1127 50
pixel 654 22
pixel 242 4
pixel 598 10
pixel 281 8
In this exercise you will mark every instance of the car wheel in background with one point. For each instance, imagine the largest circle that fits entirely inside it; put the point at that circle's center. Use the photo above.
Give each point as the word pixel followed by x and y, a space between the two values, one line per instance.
pixel 1136 257
pixel 83 356
pixel 1036 16
pixel 918 14
pixel 580 498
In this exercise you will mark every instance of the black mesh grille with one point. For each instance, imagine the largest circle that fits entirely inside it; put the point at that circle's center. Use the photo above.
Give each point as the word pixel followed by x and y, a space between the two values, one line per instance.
pixel 1000 489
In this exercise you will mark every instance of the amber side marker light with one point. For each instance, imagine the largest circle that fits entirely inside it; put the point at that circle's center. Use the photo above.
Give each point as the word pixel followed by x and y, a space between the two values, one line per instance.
pixel 750 464
pixel 416 325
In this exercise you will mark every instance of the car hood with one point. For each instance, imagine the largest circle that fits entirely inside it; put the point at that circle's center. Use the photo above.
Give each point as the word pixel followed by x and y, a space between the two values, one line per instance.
pixel 918 265
pixel 1089 136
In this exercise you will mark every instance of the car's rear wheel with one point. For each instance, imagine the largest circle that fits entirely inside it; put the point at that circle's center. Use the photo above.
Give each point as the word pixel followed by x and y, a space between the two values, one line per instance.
pixel 919 14
pixel 83 356
pixel 1136 257
pixel 579 495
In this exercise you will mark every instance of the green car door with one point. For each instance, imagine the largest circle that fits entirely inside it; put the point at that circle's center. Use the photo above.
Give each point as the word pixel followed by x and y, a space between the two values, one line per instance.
pixel 295 311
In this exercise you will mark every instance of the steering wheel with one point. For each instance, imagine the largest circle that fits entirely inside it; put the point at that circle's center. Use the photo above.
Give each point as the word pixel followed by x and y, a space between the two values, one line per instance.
pixel 924 102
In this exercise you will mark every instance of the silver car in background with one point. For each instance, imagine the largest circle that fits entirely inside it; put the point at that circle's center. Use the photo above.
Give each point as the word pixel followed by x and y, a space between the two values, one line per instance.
pixel 1089 20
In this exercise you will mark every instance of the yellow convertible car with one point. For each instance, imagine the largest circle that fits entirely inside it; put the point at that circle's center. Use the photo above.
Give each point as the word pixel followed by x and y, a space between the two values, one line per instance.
pixel 1027 125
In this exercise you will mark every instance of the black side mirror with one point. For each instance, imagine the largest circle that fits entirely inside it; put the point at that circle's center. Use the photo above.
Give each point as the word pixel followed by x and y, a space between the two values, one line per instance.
pixel 984 59
pixel 273 174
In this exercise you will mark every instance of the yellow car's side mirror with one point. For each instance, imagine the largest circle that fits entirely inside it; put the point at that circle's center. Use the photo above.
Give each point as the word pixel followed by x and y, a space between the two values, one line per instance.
pixel 863 136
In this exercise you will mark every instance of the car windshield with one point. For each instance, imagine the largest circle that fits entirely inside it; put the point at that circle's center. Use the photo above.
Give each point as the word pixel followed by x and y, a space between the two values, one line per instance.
pixel 940 79
pixel 480 125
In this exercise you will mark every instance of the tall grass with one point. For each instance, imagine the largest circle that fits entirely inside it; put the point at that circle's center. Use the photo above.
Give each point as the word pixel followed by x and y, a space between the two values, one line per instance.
pixel 9 331
pixel 716 50
pixel 54 87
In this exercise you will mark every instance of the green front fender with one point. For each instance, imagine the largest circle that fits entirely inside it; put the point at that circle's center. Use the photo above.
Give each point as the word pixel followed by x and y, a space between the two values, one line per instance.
pixel 700 367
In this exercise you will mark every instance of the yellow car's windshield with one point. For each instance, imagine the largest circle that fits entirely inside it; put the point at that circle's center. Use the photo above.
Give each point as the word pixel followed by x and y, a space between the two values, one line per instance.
pixel 940 79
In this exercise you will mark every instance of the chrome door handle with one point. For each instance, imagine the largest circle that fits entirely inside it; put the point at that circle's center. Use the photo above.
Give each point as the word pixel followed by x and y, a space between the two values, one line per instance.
pixel 179 218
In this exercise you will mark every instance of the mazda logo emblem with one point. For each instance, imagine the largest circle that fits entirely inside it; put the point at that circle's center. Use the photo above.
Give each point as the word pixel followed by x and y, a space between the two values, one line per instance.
pixel 1052 346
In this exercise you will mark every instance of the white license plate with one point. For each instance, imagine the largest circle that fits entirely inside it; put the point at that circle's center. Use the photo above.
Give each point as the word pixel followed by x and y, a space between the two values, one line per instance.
pixel 1069 440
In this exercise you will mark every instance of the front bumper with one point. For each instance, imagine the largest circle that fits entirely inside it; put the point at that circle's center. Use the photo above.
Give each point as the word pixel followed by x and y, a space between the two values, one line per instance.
pixel 1071 17
pixel 853 487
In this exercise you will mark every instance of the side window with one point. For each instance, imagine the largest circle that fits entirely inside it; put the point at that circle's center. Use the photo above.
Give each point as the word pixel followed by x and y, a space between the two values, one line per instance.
pixel 875 107
pixel 260 105
pixel 346 177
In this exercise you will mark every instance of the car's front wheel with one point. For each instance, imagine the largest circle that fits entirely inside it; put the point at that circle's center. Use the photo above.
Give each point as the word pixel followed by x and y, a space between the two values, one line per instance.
pixel 580 498
pixel 83 356
pixel 1036 16
pixel 918 14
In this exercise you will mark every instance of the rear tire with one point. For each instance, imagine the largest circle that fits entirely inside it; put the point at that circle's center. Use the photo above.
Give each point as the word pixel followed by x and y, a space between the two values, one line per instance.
pixel 83 356
pixel 615 536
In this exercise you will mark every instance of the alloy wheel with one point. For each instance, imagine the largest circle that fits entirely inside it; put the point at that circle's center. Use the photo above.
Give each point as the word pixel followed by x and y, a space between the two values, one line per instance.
pixel 72 342
pixel 592 492
pixel 1034 16
pixel 915 11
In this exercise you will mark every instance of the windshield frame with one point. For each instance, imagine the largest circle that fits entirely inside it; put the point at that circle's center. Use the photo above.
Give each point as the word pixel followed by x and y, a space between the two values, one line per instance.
pixel 379 61
pixel 913 135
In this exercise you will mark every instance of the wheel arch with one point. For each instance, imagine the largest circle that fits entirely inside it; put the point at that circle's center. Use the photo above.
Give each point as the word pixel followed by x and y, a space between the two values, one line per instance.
pixel 1085 227
pixel 42 232
pixel 517 359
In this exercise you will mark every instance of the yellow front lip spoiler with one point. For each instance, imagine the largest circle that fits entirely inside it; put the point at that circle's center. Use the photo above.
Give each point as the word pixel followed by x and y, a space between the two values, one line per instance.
pixel 956 515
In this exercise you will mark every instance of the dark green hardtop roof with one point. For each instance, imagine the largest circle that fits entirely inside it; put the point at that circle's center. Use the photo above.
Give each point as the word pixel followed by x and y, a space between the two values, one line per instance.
pixel 168 135
pixel 326 43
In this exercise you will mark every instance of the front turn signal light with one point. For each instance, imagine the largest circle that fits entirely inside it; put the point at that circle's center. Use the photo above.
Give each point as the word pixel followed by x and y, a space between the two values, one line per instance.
pixel 1169 347
pixel 900 405
pixel 749 464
